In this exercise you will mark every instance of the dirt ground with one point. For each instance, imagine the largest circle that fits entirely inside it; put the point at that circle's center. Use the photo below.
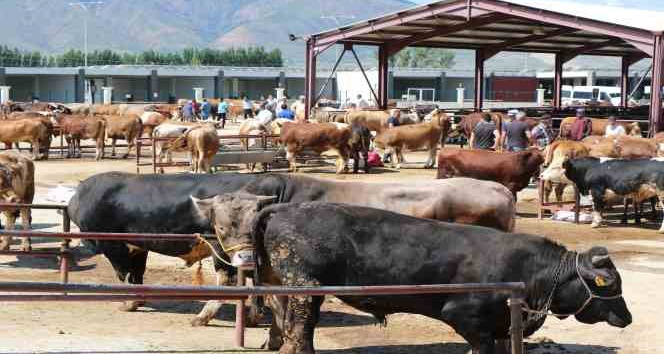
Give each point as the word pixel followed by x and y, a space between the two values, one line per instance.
pixel 164 327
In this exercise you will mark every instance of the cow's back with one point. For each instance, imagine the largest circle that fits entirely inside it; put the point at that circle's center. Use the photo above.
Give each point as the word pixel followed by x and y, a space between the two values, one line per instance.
pixel 123 202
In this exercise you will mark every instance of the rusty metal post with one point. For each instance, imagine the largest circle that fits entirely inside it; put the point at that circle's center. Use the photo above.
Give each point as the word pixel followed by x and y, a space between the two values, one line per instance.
pixel 624 81
pixel 310 78
pixel 656 86
pixel 154 156
pixel 577 205
pixel 558 82
pixel 516 323
pixel 239 312
pixel 540 201
pixel 64 247
pixel 138 154
pixel 62 144
pixel 479 79
pixel 383 64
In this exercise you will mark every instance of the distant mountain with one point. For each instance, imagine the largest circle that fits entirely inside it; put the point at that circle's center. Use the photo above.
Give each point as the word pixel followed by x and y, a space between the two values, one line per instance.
pixel 132 25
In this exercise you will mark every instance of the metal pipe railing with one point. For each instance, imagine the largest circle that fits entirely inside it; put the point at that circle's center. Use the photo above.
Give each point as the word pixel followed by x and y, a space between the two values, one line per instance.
pixel 185 293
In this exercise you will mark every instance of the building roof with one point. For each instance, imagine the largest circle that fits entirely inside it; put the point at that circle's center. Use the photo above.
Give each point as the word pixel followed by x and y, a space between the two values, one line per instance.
pixel 497 25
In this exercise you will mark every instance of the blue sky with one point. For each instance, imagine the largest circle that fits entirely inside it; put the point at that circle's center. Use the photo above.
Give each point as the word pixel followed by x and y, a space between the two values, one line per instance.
pixel 638 4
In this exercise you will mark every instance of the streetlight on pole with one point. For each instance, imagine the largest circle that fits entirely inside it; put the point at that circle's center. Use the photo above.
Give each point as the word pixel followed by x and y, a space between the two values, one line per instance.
pixel 84 6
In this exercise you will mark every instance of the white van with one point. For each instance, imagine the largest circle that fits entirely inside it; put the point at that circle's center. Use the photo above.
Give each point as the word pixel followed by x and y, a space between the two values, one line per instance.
pixel 581 95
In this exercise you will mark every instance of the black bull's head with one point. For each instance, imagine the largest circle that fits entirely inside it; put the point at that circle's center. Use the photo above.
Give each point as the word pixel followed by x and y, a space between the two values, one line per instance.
pixel 232 216
pixel 592 291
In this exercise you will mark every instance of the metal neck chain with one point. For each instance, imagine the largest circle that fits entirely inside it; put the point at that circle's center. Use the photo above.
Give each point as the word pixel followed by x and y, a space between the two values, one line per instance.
pixel 544 310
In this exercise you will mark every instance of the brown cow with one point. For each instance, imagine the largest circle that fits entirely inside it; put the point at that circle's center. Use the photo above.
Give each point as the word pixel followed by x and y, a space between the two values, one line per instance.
pixel 150 120
pixel 17 185
pixel 319 137
pixel 416 136
pixel 106 109
pixel 78 127
pixel 203 143
pixel 35 131
pixel 625 147
pixel 513 169
pixel 599 127
pixel 127 127
pixel 554 175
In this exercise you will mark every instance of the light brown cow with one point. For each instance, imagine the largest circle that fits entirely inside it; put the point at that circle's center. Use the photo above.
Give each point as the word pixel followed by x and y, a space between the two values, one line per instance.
pixel 599 127
pixel 416 136
pixel 127 127
pixel 554 175
pixel 319 137
pixel 35 131
pixel 78 127
pixel 17 185
pixel 106 109
pixel 203 143
pixel 150 120
pixel 625 147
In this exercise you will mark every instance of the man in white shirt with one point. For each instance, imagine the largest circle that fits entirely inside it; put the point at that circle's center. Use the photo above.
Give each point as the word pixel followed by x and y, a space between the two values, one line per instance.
pixel 614 129
pixel 265 116
pixel 361 102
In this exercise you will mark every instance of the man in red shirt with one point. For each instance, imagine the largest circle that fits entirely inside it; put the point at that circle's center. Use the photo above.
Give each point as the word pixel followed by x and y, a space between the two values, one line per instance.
pixel 581 127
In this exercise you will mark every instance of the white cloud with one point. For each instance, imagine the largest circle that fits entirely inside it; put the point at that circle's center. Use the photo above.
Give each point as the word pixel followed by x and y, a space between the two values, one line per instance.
pixel 615 3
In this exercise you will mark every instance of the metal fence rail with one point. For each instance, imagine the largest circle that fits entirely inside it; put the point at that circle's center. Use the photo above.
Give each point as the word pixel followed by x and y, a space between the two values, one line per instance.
pixel 99 292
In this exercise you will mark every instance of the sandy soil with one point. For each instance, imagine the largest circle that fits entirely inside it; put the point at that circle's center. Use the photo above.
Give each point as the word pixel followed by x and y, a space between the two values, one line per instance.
pixel 164 327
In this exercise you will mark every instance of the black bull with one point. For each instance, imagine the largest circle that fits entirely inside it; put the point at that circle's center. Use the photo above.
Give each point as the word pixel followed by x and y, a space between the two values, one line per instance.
pixel 317 244
pixel 126 203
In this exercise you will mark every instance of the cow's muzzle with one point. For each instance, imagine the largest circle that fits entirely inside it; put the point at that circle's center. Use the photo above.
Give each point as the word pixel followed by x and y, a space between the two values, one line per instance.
pixel 243 258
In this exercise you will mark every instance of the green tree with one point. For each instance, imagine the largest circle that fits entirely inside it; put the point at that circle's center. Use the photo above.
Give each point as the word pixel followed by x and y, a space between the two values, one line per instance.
pixel 423 58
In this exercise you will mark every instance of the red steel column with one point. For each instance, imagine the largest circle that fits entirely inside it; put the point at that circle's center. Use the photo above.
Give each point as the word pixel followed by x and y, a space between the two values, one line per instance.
pixel 310 79
pixel 479 79
pixel 656 87
pixel 383 63
pixel 558 82
pixel 624 81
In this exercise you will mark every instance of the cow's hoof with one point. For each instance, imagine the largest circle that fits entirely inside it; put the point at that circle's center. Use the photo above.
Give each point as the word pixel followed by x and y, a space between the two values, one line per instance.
pixel 595 225
pixel 125 156
pixel 661 231
pixel 199 322
pixel 130 306
pixel 398 166
pixel 112 154
pixel 26 248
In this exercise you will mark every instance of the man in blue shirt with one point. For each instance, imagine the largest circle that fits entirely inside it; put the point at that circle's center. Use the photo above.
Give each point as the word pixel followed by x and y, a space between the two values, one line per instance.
pixel 222 111
pixel 205 109
pixel 392 122
pixel 286 112
pixel 188 112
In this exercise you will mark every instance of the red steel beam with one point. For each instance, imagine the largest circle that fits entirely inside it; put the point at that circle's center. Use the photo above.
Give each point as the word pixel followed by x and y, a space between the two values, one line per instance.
pixel 656 86
pixel 310 78
pixel 553 18
pixel 383 64
pixel 557 82
pixel 396 46
pixel 495 49
pixel 479 79
pixel 571 54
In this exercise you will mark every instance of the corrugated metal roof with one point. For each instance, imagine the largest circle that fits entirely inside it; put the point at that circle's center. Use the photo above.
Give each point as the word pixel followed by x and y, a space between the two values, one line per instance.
pixel 644 19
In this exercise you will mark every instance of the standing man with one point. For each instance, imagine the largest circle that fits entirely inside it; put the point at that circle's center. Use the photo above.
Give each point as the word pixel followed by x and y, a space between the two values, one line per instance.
pixel 517 133
pixel 614 129
pixel 485 135
pixel 392 122
pixel 542 132
pixel 188 112
pixel 581 127
pixel 361 103
pixel 248 107
pixel 205 109
pixel 222 110
pixel 285 112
